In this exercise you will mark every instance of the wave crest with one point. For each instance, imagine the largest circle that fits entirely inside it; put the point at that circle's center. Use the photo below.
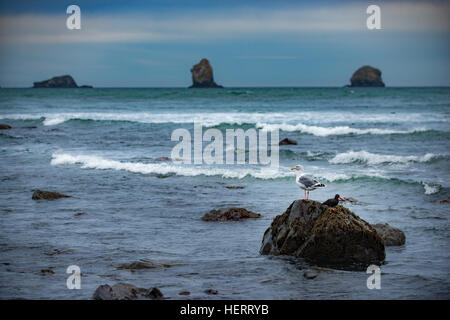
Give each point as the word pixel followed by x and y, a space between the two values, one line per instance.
pixel 373 158
pixel 329 131
pixel 96 162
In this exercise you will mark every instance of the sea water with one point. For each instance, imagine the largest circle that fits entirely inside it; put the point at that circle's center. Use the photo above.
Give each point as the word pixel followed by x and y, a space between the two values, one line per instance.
pixel 386 147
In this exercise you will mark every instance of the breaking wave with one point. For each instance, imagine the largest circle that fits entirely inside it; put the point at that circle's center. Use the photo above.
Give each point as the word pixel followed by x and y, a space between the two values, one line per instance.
pixel 179 169
pixel 286 121
pixel 373 158
pixel 329 131
pixel 96 162
pixel 430 189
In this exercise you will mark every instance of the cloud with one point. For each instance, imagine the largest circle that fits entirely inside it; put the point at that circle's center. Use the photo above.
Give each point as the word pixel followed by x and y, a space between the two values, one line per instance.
pixel 230 23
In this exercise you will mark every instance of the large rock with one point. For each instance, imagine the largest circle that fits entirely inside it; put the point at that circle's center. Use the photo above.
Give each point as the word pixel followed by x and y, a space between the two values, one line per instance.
pixel 4 126
pixel 391 236
pixel 229 214
pixel 125 291
pixel 326 236
pixel 65 81
pixel 47 195
pixel 202 75
pixel 367 76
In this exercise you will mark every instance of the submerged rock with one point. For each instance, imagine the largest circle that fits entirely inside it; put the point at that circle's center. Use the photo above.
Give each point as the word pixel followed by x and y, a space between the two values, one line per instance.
pixel 168 159
pixel 391 236
pixel 229 214
pixel 326 236
pixel 58 251
pixel 4 126
pixel 47 271
pixel 163 159
pixel 211 291
pixel 125 291
pixel 235 187
pixel 142 264
pixel 367 76
pixel 287 141
pixel 202 75
pixel 48 195
pixel 445 200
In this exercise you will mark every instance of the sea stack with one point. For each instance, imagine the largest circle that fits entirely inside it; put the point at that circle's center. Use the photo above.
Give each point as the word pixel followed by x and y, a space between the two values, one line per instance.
pixel 65 81
pixel 202 75
pixel 366 76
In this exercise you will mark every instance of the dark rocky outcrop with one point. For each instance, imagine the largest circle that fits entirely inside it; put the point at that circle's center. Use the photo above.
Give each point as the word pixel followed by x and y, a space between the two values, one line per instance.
pixel 65 81
pixel 58 251
pixel 4 126
pixel 445 200
pixel 125 291
pixel 142 264
pixel 235 187
pixel 202 75
pixel 211 291
pixel 366 76
pixel 287 141
pixel 48 195
pixel 390 235
pixel 229 214
pixel 333 237
pixel 47 271
pixel 168 159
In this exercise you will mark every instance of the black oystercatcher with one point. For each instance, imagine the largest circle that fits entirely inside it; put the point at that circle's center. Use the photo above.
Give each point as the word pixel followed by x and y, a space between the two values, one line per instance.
pixel 333 202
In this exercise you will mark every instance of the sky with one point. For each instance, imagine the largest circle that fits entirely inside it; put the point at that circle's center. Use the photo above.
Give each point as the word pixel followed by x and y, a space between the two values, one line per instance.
pixel 249 43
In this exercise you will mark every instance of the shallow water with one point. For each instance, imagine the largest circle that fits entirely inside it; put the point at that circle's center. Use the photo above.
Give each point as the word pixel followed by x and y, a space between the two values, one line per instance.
pixel 388 148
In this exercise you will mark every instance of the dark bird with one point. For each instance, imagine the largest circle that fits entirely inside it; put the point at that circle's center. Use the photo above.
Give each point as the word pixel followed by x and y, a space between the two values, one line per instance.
pixel 333 202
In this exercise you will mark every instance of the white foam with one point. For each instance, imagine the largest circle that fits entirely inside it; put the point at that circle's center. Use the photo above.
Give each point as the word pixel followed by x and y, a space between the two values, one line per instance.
pixel 328 131
pixel 180 169
pixel 373 158
pixel 288 121
pixel 429 189
pixel 96 162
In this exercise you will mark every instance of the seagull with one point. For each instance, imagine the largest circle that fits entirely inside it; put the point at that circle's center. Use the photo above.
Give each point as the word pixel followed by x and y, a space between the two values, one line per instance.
pixel 306 182
pixel 333 202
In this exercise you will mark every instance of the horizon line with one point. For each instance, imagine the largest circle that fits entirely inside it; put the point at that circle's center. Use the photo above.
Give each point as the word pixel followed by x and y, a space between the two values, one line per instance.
pixel 239 87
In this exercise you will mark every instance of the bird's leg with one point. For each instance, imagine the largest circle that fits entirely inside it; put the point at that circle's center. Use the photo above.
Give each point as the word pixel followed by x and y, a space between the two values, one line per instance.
pixel 305 196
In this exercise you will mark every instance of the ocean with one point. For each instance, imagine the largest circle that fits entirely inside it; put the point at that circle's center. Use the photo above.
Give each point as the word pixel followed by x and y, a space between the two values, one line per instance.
pixel 386 147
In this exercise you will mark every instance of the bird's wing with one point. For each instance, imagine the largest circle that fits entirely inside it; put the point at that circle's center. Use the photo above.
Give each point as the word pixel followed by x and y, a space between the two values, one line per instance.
pixel 308 181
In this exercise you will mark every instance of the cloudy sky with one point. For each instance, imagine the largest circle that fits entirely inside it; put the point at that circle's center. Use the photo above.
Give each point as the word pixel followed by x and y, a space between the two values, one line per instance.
pixel 249 43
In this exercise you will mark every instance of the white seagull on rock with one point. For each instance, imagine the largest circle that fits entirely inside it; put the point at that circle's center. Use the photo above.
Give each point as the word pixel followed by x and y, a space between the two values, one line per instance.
pixel 306 182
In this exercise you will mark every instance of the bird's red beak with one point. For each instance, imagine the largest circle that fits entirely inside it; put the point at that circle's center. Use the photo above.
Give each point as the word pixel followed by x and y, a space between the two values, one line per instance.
pixel 341 199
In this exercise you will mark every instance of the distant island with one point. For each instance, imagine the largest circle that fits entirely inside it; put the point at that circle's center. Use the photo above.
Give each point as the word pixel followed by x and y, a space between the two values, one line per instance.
pixel 202 75
pixel 366 76
pixel 65 81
